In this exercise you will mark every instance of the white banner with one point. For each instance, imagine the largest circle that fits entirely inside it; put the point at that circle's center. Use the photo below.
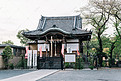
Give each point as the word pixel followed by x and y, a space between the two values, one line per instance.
pixel 34 57
pixel 29 60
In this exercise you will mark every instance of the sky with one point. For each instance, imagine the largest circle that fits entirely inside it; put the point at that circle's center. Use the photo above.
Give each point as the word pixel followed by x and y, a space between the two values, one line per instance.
pixel 16 15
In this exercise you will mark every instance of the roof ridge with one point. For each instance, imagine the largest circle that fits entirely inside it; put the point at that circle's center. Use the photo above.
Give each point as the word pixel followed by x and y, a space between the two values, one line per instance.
pixel 58 16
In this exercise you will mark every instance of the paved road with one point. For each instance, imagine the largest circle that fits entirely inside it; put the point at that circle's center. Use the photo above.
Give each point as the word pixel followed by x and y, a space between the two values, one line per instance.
pixel 11 73
pixel 31 76
pixel 85 75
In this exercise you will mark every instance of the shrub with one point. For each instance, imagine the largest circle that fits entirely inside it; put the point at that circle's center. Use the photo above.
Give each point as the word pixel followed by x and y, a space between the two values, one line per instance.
pixel 104 64
pixel 91 67
pixel 66 65
pixel 11 66
pixel 22 63
pixel 7 54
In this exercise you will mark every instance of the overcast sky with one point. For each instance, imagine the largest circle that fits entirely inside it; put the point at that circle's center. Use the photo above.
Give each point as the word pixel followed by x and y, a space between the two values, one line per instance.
pixel 16 15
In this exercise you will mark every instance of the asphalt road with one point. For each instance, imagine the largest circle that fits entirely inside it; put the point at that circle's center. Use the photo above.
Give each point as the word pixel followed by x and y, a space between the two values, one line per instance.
pixel 85 75
pixel 11 73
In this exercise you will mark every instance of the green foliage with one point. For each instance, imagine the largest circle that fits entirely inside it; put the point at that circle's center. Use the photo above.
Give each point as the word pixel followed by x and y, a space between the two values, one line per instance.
pixel 104 64
pixel 7 42
pixel 21 64
pixel 23 39
pixel 7 54
pixel 117 50
pixel 66 65
pixel 78 64
pixel 11 66
pixel 111 62
pixel 91 67
pixel 69 65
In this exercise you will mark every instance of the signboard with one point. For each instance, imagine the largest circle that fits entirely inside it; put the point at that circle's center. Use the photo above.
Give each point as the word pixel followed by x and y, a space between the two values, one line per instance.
pixel 70 57
pixel 29 60
pixel 34 57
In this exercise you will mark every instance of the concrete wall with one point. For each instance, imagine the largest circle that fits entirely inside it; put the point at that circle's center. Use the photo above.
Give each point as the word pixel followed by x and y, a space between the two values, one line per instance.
pixel 1 50
pixel 15 60
pixel 1 62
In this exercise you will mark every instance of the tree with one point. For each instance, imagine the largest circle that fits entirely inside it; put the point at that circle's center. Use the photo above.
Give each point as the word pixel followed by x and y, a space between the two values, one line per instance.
pixel 98 13
pixel 7 53
pixel 112 7
pixel 116 8
pixel 7 42
pixel 117 49
pixel 96 16
pixel 23 39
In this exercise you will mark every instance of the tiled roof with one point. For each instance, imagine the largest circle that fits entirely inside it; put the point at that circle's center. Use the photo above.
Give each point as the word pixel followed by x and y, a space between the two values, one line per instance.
pixel 64 24
pixel 12 46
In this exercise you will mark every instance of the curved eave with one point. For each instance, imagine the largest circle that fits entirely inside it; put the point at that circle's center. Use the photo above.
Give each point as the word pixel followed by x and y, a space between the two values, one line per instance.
pixel 46 31
pixel 41 34
pixel 54 30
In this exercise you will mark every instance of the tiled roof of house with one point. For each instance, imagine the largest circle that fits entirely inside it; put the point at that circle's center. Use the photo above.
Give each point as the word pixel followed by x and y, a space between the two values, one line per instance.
pixel 12 46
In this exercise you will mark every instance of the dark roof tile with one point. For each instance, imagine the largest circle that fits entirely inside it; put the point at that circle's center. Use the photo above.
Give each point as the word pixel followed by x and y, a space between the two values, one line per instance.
pixel 71 24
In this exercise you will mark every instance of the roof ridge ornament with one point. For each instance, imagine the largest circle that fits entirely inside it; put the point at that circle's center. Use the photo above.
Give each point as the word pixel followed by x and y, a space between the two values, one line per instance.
pixel 43 24
pixel 75 22
pixel 54 26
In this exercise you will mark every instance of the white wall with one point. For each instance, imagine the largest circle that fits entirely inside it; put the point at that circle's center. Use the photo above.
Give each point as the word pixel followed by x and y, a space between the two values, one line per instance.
pixel 72 46
pixel 73 40
pixel 43 47
pixel 41 41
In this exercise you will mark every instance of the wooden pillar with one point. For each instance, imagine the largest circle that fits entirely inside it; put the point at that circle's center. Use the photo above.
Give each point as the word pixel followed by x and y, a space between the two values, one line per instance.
pixel 51 46
pixel 46 47
pixel 80 46
pixel 87 48
pixel 37 45
pixel 55 49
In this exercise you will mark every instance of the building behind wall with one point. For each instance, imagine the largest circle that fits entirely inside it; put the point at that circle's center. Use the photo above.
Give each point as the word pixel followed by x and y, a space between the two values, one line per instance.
pixel 17 52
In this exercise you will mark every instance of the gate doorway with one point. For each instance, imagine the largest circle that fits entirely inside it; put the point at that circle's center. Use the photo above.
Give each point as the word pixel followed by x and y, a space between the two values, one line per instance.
pixel 50 63
pixel 56 48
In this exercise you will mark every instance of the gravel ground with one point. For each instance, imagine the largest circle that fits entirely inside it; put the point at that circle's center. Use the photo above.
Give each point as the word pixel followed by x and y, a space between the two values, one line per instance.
pixel 85 75
pixel 10 73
